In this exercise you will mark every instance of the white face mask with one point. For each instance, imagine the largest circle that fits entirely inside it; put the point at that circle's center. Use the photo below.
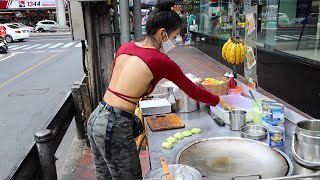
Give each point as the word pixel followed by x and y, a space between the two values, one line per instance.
pixel 168 45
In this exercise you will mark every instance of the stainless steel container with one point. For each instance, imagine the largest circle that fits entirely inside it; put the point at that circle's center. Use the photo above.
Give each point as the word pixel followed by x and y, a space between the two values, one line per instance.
pixel 186 104
pixel 254 132
pixel 306 143
pixel 237 119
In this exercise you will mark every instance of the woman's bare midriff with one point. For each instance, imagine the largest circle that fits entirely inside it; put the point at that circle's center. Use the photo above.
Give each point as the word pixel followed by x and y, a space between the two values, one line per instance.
pixel 131 77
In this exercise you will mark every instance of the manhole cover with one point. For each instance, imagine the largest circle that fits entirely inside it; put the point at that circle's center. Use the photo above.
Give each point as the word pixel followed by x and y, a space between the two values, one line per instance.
pixel 29 92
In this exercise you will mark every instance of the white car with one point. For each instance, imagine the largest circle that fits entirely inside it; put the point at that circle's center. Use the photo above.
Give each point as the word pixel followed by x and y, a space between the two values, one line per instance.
pixel 28 28
pixel 46 25
pixel 15 33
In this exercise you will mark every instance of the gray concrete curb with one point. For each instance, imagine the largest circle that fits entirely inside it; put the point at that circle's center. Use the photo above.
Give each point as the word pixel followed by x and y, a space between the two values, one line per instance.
pixel 50 33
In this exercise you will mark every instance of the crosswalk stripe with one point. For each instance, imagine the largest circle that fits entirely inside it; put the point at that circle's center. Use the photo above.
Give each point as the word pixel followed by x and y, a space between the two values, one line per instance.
pixel 56 45
pixel 78 45
pixel 313 36
pixel 293 37
pixel 19 47
pixel 46 45
pixel 13 46
pixel 309 37
pixel 67 45
pixel 30 47
pixel 283 38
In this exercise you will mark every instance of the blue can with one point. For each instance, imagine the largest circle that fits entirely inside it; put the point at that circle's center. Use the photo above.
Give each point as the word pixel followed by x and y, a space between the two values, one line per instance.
pixel 276 136
pixel 276 114
pixel 265 110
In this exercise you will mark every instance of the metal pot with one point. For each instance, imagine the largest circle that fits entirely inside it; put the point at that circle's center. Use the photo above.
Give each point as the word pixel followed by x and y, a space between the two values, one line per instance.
pixel 186 104
pixel 237 119
pixel 306 143
pixel 177 172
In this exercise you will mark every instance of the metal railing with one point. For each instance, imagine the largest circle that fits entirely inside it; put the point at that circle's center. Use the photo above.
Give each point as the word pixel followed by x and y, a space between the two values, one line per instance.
pixel 40 161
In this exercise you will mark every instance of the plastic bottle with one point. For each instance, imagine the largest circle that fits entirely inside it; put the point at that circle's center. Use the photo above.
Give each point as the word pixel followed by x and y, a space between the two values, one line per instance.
pixel 232 82
pixel 257 113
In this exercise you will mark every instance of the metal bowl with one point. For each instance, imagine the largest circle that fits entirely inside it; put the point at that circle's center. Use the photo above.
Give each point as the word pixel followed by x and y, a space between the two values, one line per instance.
pixel 254 132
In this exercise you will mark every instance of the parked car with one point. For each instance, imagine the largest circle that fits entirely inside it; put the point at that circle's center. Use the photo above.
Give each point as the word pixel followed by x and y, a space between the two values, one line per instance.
pixel 313 18
pixel 283 18
pixel 46 25
pixel 297 21
pixel 2 31
pixel 20 25
pixel 14 33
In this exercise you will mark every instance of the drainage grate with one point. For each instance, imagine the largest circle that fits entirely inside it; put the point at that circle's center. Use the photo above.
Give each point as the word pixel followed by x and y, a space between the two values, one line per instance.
pixel 29 92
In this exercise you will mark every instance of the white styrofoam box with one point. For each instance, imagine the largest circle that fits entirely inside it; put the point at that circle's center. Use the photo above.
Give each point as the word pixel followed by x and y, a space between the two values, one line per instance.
pixel 237 100
pixel 155 106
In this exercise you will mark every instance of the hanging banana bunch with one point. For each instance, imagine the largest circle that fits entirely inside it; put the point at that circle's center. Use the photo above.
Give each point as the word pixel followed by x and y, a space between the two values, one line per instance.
pixel 234 51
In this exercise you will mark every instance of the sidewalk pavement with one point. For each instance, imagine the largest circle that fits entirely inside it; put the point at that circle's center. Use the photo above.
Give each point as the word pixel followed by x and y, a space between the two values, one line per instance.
pixel 190 60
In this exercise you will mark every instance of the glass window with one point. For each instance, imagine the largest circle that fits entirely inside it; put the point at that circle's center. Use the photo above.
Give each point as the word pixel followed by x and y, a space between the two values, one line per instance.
pixel 290 26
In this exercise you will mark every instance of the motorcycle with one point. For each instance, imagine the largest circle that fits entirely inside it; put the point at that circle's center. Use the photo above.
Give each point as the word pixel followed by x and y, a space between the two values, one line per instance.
pixel 3 45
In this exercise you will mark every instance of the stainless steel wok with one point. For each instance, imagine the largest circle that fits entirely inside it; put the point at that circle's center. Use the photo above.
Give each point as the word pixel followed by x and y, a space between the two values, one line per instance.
pixel 228 158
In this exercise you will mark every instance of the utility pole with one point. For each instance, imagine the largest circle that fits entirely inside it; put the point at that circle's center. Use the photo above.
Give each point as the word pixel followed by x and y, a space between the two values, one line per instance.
pixel 124 21
pixel 61 13
pixel 100 48
pixel 105 44
pixel 137 20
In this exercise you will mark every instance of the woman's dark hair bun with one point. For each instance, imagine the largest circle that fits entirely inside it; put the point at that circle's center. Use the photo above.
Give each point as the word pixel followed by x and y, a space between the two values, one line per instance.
pixel 164 5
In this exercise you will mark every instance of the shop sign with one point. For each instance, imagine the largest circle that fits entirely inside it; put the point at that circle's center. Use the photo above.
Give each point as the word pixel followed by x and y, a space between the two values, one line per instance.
pixel 18 4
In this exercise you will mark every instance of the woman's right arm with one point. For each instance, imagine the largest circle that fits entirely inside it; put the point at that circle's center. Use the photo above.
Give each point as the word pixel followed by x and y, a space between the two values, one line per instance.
pixel 173 73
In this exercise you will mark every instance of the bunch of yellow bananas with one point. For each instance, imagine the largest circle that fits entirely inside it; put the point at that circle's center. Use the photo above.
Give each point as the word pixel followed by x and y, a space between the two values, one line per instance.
pixel 234 51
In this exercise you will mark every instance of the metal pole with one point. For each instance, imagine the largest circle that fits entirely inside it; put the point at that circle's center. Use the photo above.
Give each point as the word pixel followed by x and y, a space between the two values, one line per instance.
pixel 124 21
pixel 46 155
pixel 116 26
pixel 75 89
pixel 137 20
pixel 61 13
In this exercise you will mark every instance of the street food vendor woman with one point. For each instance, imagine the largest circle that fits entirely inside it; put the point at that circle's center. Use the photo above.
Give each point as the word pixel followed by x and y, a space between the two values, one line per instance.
pixel 138 67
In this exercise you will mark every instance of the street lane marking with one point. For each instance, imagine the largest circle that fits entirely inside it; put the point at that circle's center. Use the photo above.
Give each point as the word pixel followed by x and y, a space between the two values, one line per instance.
pixel 12 46
pixel 8 57
pixel 56 45
pixel 67 45
pixel 20 47
pixel 293 37
pixel 36 52
pixel 56 51
pixel 79 45
pixel 41 47
pixel 283 38
pixel 36 45
pixel 28 70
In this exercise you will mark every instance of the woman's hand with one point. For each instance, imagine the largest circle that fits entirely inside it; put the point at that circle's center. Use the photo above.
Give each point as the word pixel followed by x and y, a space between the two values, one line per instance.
pixel 225 105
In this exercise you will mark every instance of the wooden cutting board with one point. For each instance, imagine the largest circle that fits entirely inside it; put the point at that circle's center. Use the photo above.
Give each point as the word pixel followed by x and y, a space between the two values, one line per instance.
pixel 164 122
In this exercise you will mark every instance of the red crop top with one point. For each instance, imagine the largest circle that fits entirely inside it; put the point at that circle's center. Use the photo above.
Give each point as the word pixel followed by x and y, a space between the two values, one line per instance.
pixel 162 66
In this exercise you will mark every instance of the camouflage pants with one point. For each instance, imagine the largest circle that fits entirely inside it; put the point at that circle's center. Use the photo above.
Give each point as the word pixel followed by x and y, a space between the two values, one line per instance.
pixel 124 163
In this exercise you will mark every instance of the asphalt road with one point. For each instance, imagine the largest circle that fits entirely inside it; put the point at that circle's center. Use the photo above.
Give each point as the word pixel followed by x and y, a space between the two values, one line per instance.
pixel 35 75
